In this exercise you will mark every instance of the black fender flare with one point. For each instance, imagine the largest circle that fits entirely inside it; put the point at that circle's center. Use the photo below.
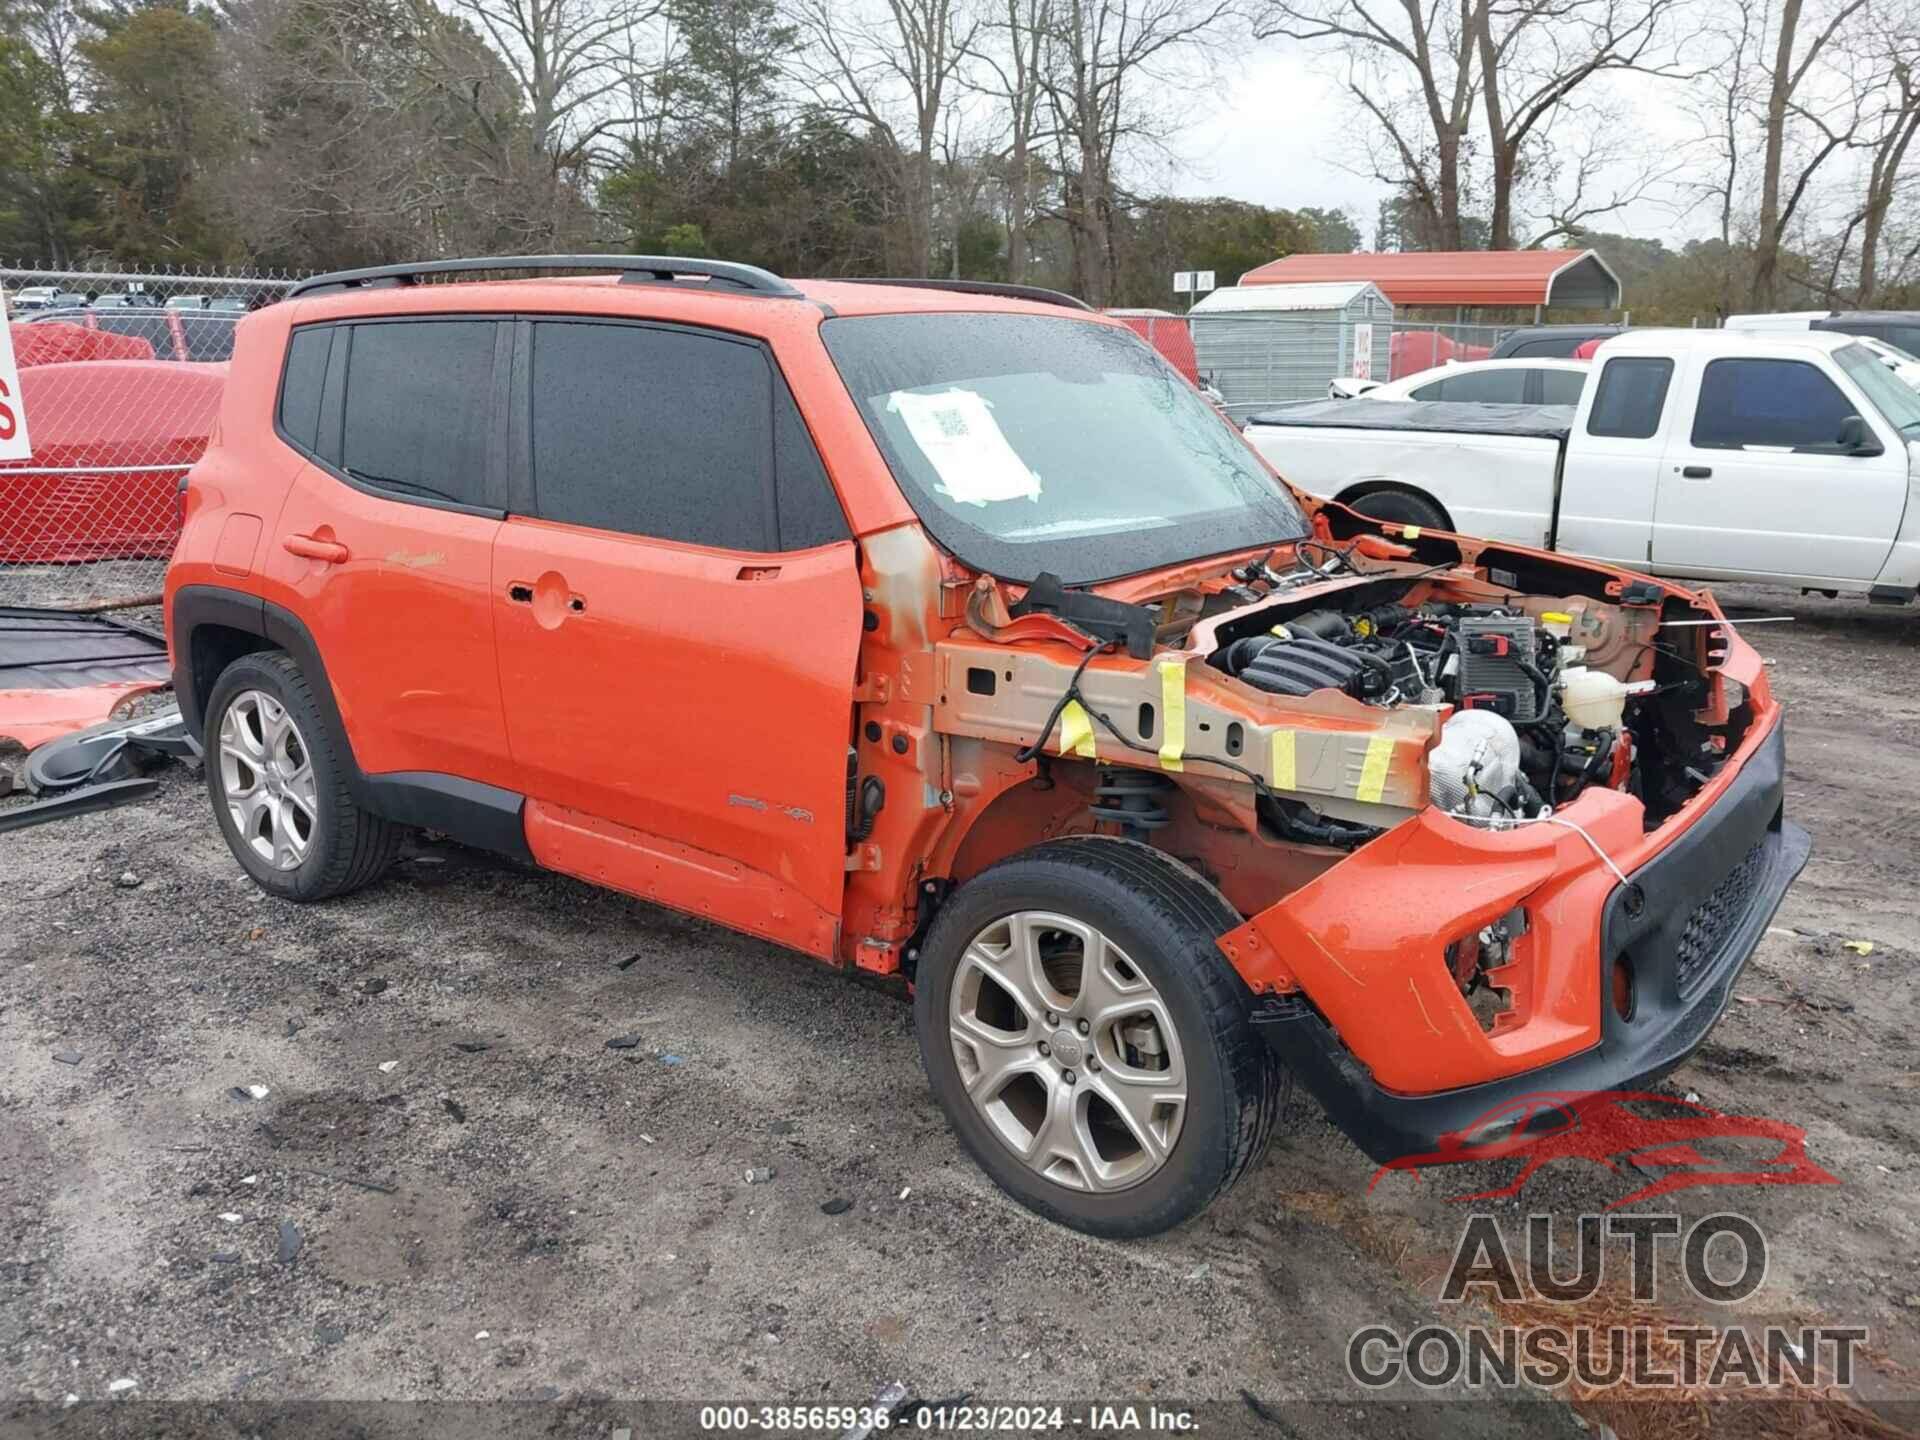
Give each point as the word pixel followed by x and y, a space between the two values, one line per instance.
pixel 477 814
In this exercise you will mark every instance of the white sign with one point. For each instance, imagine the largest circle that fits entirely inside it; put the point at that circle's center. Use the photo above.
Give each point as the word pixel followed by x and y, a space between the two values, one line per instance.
pixel 1363 351
pixel 1202 281
pixel 14 444
pixel 1183 282
pixel 956 431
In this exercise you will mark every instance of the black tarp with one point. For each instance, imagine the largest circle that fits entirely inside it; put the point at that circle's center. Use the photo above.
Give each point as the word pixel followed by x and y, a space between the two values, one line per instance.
pixel 62 650
pixel 1545 422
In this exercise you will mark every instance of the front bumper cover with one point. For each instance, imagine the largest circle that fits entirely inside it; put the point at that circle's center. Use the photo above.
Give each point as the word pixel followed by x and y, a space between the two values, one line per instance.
pixel 1687 921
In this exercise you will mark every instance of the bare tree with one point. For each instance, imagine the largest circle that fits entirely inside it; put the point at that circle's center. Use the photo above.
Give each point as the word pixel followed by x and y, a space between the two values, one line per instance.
pixel 571 61
pixel 1411 69
pixel 891 66
pixel 1535 57
pixel 1793 100
pixel 1897 36
pixel 1596 175
pixel 1107 57
pixel 1012 53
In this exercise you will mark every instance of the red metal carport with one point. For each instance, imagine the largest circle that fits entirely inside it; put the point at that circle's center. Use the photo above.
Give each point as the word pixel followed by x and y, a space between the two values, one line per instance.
pixel 1465 278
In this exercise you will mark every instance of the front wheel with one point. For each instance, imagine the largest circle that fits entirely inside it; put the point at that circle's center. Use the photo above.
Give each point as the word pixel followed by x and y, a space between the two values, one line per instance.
pixel 1089 1042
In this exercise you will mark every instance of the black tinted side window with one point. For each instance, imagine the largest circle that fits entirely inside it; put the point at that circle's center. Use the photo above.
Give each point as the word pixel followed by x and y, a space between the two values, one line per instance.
pixel 300 385
pixel 419 407
pixel 1632 392
pixel 809 511
pixel 1562 387
pixel 1767 402
pixel 1487 387
pixel 656 432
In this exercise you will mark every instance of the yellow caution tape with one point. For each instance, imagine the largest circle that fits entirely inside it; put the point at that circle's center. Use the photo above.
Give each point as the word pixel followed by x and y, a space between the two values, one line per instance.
pixel 1373 770
pixel 1409 532
pixel 1076 731
pixel 1283 760
pixel 1173 706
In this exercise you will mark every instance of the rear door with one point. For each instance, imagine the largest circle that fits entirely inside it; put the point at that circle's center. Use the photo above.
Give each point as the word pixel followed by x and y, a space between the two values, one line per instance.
pixel 678 611
pixel 1612 477
pixel 1755 481
pixel 386 537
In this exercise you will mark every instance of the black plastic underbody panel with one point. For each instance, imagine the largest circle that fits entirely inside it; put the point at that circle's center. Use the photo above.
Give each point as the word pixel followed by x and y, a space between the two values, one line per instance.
pixel 1734 863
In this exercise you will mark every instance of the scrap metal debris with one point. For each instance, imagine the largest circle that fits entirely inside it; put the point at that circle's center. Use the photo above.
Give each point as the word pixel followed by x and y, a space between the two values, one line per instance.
pixel 82 801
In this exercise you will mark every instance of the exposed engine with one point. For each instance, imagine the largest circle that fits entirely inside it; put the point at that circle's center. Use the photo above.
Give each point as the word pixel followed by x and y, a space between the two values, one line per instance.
pixel 1532 725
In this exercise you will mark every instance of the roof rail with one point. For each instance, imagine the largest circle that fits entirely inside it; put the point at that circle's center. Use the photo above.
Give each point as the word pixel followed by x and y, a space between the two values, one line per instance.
pixel 983 287
pixel 633 269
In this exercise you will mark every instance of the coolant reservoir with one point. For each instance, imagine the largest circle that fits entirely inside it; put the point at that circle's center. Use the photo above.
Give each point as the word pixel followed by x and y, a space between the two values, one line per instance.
pixel 1593 699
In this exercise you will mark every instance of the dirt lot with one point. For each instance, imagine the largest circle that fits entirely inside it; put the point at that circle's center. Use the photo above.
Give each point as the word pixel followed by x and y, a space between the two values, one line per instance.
pixel 455 1189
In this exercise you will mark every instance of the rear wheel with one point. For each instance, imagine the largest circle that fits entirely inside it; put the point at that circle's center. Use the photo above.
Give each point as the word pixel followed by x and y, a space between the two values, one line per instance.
pixel 1400 506
pixel 1087 1039
pixel 278 782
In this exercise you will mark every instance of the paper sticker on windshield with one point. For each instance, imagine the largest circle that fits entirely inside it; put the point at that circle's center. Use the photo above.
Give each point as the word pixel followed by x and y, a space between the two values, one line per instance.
pixel 957 433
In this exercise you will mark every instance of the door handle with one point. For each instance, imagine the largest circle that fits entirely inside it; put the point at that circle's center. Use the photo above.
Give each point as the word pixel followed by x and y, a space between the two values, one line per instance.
pixel 521 593
pixel 758 572
pixel 310 547
pixel 1696 472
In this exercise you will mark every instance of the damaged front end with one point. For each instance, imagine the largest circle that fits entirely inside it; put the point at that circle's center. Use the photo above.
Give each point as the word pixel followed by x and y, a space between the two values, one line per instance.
pixel 1497 819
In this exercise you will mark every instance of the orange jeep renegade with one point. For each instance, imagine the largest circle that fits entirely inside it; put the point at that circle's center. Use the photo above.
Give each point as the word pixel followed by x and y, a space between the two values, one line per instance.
pixel 943 632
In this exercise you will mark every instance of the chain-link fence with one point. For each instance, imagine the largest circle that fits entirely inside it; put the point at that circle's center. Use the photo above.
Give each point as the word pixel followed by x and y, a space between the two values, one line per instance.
pixel 120 377
pixel 1265 356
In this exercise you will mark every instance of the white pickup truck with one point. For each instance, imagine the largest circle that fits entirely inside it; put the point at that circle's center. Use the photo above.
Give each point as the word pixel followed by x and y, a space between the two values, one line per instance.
pixel 1704 454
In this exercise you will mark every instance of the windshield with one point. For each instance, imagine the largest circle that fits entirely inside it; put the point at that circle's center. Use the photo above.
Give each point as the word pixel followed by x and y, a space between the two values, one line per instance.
pixel 1887 391
pixel 1027 443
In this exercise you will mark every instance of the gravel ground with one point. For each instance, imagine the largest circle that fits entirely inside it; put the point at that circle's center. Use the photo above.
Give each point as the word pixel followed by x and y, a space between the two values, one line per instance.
pixel 454 1188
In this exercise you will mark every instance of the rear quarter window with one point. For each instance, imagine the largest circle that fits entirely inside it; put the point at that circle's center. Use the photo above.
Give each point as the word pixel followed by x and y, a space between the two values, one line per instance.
pixel 1632 392
pixel 300 385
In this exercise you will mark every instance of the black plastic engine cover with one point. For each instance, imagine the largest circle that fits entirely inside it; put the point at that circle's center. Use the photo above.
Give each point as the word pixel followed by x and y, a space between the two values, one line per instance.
pixel 1303 665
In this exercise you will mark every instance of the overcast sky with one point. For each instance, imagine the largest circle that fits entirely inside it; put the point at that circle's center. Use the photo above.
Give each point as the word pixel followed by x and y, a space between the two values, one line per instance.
pixel 1282 135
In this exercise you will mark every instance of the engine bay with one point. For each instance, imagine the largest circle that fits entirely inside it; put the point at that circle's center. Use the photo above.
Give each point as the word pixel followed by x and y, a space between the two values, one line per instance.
pixel 1542 696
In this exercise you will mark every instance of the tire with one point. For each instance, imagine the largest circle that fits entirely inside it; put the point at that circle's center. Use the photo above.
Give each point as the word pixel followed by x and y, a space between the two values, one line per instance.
pixel 305 839
pixel 1156 921
pixel 1402 507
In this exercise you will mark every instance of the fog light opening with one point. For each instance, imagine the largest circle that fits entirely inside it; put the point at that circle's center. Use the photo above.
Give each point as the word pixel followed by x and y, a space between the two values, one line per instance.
pixel 1623 988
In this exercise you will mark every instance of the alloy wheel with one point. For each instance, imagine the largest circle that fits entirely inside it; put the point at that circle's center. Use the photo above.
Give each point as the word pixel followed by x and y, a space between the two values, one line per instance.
pixel 1067 1051
pixel 267 780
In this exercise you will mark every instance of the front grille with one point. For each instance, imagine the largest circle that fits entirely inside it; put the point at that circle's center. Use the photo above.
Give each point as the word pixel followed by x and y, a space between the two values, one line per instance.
pixel 1707 928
